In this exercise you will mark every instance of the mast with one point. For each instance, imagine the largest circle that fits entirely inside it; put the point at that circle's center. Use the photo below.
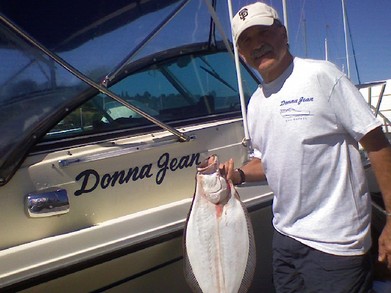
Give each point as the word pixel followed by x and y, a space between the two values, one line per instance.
pixel 246 142
pixel 284 9
pixel 305 37
pixel 326 50
pixel 326 45
pixel 346 36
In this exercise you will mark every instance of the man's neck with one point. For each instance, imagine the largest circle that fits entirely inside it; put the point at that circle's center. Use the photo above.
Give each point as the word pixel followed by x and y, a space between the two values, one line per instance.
pixel 284 64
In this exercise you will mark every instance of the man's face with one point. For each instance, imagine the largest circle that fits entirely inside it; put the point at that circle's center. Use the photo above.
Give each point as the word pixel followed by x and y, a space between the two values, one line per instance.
pixel 264 48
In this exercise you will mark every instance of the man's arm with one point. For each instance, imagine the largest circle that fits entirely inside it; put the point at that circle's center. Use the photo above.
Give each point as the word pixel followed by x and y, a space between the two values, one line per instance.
pixel 379 153
pixel 253 171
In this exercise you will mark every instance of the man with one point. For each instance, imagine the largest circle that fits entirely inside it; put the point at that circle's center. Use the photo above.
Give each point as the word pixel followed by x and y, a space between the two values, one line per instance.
pixel 305 122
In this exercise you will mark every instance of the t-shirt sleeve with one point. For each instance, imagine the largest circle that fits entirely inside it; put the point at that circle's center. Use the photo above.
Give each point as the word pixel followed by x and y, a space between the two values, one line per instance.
pixel 351 109
pixel 252 115
pixel 256 153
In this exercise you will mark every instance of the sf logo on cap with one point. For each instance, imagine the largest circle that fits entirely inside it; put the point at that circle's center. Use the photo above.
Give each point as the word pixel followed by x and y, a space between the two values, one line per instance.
pixel 243 13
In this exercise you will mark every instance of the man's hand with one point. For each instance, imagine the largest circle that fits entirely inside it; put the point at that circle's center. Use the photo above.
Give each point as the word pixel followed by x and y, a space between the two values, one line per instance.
pixel 385 244
pixel 252 170
pixel 227 169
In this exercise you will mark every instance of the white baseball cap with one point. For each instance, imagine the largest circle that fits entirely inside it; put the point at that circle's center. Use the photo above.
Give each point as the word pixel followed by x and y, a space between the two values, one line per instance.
pixel 257 13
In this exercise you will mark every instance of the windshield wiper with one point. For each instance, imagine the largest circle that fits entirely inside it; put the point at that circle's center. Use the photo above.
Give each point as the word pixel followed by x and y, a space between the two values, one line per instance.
pixel 215 74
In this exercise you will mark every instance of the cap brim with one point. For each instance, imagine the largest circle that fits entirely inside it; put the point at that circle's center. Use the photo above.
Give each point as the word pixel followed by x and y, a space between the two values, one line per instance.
pixel 267 21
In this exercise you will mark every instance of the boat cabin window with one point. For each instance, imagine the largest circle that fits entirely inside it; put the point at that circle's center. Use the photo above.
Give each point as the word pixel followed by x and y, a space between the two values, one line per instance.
pixel 176 91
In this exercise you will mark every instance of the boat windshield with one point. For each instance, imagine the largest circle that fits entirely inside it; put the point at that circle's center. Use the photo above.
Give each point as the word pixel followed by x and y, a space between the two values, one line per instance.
pixel 166 90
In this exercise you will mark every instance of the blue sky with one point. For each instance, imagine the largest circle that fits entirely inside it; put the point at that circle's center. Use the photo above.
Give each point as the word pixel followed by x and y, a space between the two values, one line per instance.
pixel 311 21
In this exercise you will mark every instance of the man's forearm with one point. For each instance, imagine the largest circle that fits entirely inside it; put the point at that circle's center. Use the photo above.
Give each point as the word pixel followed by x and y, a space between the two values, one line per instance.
pixel 381 165
pixel 379 153
pixel 253 170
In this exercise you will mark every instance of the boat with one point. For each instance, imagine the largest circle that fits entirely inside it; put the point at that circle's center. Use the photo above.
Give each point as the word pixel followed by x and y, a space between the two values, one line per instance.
pixel 106 109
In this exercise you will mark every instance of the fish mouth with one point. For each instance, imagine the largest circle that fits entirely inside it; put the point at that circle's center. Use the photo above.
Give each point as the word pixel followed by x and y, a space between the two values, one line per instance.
pixel 215 187
pixel 209 166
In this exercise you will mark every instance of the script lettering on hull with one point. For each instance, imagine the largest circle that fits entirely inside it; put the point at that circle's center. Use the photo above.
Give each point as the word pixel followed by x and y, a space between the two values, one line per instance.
pixel 90 179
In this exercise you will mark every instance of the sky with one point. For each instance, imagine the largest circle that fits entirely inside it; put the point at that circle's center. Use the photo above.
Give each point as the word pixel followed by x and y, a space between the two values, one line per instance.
pixel 310 22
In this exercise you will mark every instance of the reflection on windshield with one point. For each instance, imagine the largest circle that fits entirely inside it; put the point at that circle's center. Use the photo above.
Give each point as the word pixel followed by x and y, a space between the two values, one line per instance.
pixel 192 86
pixel 29 71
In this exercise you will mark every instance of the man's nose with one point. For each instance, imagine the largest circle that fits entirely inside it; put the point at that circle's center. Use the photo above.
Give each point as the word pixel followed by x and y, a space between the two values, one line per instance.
pixel 256 43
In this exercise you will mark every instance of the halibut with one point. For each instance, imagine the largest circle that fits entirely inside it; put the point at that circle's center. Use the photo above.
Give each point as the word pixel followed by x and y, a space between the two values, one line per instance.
pixel 219 248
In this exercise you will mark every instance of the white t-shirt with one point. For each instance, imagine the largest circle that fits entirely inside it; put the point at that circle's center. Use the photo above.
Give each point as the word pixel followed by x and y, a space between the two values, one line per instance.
pixel 304 126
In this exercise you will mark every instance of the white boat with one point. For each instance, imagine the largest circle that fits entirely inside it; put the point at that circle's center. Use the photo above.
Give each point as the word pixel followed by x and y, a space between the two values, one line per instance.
pixel 106 108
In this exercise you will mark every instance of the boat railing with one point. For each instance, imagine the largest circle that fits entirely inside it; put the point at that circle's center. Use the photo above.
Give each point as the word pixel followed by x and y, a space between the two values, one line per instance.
pixel 378 97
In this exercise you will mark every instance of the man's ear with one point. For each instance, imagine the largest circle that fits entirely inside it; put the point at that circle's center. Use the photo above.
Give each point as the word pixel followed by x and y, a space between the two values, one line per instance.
pixel 285 34
pixel 241 56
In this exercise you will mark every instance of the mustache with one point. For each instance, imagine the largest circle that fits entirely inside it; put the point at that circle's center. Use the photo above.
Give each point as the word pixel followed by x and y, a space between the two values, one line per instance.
pixel 258 52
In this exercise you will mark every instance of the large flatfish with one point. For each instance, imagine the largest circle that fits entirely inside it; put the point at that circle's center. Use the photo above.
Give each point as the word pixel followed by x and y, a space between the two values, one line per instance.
pixel 219 248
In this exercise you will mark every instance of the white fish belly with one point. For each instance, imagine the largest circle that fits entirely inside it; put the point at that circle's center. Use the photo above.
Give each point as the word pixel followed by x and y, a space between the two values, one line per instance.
pixel 217 244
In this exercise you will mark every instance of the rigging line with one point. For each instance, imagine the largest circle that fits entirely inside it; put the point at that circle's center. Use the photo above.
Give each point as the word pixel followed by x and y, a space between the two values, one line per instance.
pixel 219 26
pixel 300 26
pixel 212 25
pixel 110 76
pixel 323 9
pixel 344 16
pixel 353 50
pixel 285 12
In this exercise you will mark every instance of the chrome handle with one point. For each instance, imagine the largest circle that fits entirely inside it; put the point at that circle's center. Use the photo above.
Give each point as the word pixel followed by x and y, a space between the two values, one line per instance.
pixel 46 203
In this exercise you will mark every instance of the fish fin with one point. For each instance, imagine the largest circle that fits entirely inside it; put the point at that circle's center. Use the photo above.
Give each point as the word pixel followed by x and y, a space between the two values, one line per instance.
pixel 189 275
pixel 187 269
pixel 252 257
